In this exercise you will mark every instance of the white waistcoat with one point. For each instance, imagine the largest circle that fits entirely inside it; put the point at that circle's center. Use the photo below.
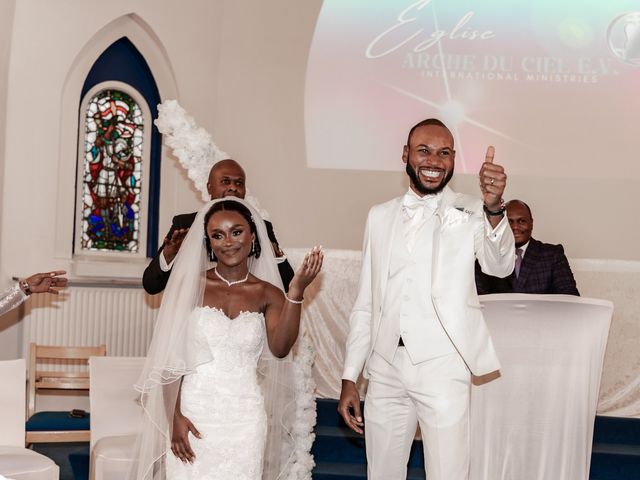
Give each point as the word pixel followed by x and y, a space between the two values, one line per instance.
pixel 408 310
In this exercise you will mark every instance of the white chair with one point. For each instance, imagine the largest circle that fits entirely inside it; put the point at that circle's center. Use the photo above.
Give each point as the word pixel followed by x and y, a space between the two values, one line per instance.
pixel 16 461
pixel 116 415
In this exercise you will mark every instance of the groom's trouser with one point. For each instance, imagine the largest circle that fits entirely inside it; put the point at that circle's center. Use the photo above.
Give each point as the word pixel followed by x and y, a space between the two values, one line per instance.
pixel 434 394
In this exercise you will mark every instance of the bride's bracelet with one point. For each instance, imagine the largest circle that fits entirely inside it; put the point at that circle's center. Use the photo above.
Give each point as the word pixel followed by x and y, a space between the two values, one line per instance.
pixel 24 286
pixel 296 302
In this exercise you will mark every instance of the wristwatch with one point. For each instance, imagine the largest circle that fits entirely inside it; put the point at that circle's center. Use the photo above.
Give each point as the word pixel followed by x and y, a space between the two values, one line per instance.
pixel 495 213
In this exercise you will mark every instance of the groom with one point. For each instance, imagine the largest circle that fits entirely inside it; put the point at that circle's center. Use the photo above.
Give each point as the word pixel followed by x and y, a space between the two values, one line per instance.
pixel 226 179
pixel 416 329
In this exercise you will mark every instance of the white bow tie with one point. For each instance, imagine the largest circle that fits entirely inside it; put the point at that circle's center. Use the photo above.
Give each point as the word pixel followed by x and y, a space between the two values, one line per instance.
pixel 416 211
pixel 413 204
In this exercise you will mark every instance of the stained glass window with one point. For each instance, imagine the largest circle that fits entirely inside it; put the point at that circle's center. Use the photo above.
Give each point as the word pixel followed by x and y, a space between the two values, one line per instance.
pixel 112 174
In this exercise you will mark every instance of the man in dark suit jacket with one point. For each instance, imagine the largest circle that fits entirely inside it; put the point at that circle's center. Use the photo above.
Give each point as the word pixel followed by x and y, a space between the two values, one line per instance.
pixel 543 267
pixel 226 178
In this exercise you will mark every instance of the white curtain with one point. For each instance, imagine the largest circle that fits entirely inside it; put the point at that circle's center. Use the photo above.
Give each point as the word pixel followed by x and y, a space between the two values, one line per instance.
pixel 330 297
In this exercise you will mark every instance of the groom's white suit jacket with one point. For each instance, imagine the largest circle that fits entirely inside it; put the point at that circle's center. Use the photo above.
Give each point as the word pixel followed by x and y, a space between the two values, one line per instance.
pixel 461 235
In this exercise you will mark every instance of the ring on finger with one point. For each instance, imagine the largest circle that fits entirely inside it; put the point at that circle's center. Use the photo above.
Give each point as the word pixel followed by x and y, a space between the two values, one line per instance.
pixel 492 180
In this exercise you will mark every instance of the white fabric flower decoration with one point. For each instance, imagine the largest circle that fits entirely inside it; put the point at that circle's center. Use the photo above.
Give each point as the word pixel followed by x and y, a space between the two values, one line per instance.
pixel 192 145
pixel 452 216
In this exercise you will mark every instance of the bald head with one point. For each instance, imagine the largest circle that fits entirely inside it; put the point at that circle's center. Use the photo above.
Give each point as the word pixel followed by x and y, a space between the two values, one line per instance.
pixel 226 179
pixel 515 202
pixel 520 221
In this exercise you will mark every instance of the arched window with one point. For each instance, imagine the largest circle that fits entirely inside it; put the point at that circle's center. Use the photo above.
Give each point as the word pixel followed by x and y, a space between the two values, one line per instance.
pixel 118 170
pixel 113 171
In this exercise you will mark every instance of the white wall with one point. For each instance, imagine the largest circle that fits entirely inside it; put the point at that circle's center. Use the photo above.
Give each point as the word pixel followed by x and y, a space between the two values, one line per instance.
pixel 9 329
pixel 239 69
pixel 52 48
pixel 47 49
pixel 6 28
pixel 260 120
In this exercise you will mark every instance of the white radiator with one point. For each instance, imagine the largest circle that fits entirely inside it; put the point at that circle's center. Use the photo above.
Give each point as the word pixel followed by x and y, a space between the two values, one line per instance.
pixel 121 318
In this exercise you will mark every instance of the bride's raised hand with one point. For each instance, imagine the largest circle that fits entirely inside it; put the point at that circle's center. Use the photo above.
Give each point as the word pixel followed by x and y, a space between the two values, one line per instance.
pixel 180 445
pixel 307 271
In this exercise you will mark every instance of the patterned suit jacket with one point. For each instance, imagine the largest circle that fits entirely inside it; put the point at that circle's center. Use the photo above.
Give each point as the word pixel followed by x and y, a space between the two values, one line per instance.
pixel 544 269
pixel 155 279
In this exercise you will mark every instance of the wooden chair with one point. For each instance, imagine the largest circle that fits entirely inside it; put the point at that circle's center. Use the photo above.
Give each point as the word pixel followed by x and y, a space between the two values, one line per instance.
pixel 54 427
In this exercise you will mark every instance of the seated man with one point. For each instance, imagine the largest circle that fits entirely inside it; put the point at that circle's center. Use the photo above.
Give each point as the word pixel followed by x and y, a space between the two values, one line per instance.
pixel 226 178
pixel 540 267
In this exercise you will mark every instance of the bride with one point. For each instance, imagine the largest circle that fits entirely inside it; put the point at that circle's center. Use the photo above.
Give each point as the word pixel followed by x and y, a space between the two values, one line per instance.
pixel 223 320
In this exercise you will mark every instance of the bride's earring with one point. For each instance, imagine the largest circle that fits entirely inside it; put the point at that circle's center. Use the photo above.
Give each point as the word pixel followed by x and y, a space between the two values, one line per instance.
pixel 210 253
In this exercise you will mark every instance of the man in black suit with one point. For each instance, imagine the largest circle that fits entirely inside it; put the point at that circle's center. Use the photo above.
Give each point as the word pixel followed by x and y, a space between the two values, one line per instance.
pixel 540 267
pixel 226 178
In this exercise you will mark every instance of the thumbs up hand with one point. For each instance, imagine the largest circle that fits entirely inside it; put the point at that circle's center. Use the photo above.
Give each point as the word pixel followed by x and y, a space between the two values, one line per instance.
pixel 493 181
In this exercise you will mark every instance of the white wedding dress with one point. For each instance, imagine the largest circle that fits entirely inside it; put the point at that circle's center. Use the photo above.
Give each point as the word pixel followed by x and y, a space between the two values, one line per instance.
pixel 223 400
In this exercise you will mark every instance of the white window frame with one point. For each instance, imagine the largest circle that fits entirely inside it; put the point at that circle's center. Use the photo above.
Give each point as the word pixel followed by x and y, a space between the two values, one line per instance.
pixel 89 262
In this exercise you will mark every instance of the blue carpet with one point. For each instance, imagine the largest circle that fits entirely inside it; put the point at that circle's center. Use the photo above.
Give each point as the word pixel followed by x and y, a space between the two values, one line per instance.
pixel 72 458
pixel 616 449
pixel 339 453
pixel 79 461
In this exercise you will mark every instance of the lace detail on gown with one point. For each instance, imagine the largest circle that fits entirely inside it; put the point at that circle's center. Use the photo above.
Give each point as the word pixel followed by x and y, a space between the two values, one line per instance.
pixel 223 399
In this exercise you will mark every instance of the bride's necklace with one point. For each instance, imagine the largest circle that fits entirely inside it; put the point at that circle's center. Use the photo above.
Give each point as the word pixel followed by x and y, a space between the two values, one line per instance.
pixel 242 280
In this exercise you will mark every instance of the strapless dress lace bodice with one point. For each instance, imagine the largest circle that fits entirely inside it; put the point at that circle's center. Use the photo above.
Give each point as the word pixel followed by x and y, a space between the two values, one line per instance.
pixel 235 344
pixel 222 398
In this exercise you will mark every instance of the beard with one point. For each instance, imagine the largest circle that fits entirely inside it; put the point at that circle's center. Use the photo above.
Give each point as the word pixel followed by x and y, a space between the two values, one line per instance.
pixel 415 181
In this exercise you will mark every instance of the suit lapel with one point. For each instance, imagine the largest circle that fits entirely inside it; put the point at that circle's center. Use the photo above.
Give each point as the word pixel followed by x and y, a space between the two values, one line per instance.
pixel 391 224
